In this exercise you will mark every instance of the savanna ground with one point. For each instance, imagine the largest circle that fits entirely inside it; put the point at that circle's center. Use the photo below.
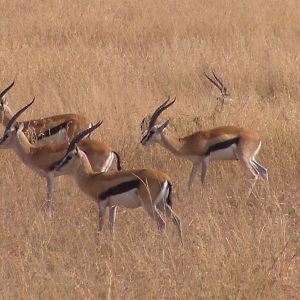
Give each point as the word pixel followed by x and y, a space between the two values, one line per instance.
pixel 118 60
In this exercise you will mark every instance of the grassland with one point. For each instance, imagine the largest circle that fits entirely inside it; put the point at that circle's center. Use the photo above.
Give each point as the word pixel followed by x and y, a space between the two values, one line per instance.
pixel 117 60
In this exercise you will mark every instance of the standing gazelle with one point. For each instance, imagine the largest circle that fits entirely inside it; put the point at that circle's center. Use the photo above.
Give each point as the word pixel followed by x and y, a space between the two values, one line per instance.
pixel 41 158
pixel 222 143
pixel 57 128
pixel 148 188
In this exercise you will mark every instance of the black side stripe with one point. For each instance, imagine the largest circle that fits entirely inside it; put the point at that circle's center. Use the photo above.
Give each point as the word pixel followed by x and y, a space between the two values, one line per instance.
pixel 222 145
pixel 120 189
pixel 53 130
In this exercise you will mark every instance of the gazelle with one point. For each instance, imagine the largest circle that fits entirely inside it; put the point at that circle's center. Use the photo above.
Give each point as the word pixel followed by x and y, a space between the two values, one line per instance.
pixel 194 121
pixel 148 188
pixel 57 128
pixel 222 143
pixel 41 158
pixel 224 98
pixel 218 83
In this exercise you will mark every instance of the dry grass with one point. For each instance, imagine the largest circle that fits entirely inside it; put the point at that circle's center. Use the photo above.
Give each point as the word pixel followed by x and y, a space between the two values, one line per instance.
pixel 117 60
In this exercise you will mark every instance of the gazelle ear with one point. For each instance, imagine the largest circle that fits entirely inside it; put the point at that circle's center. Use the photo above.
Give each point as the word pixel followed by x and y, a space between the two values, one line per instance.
pixel 163 125
pixel 76 150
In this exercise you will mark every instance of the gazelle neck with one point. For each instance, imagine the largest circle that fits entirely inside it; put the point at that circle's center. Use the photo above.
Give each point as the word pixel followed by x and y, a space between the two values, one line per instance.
pixel 83 174
pixel 7 115
pixel 171 142
pixel 84 170
pixel 22 145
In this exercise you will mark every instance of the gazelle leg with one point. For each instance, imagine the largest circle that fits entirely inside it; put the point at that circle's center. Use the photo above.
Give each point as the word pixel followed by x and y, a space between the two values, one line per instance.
pixel 193 174
pixel 246 152
pixel 263 172
pixel 102 209
pixel 175 219
pixel 251 186
pixel 112 218
pixel 153 213
pixel 205 163
pixel 246 163
pixel 50 189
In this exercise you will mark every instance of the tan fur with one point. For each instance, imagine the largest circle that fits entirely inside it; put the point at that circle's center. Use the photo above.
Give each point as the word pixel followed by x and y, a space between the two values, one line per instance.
pixel 95 183
pixel 198 142
pixel 196 147
pixel 76 123
pixel 35 128
pixel 41 158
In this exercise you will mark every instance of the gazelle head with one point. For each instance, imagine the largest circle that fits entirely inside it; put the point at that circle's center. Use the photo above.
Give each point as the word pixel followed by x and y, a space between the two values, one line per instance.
pixel 154 131
pixel 225 95
pixel 12 128
pixel 5 111
pixel 71 161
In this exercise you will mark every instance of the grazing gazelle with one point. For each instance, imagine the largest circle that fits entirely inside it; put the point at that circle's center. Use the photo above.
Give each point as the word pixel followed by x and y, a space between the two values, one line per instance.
pixel 222 143
pixel 223 99
pixel 148 188
pixel 57 128
pixel 41 158
pixel 218 83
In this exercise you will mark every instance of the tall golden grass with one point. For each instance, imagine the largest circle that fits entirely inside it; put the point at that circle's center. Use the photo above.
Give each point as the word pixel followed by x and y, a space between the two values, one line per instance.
pixel 117 60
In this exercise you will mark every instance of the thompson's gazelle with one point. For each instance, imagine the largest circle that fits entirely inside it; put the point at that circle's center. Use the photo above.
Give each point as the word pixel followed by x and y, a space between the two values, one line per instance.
pixel 57 128
pixel 221 143
pixel 148 188
pixel 221 87
pixel 41 158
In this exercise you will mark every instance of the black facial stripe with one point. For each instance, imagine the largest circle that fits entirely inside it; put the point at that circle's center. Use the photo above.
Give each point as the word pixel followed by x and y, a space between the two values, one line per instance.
pixel 53 130
pixel 120 189
pixel 222 145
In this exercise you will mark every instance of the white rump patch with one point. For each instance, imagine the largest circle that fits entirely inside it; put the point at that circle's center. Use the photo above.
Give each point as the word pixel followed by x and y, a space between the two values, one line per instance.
pixel 107 164
pixel 162 194
pixel 256 151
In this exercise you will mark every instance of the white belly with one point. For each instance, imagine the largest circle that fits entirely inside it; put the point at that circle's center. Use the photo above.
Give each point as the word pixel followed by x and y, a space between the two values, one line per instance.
pixel 224 154
pixel 129 199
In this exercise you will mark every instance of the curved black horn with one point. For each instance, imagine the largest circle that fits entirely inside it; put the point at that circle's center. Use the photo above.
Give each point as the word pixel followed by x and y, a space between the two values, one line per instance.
pixel 6 89
pixel 214 81
pixel 17 114
pixel 218 83
pixel 159 110
pixel 223 88
pixel 81 135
